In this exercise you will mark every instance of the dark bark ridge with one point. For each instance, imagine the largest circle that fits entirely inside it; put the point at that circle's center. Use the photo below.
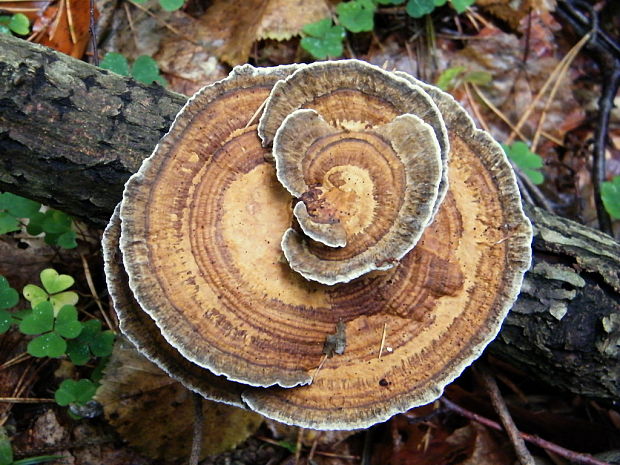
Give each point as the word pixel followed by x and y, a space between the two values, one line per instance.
pixel 71 135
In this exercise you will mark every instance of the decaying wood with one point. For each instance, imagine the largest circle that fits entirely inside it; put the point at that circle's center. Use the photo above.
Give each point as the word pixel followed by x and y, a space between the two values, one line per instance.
pixel 71 134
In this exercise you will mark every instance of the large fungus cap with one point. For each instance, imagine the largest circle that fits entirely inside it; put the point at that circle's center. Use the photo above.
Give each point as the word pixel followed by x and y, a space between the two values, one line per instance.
pixel 201 223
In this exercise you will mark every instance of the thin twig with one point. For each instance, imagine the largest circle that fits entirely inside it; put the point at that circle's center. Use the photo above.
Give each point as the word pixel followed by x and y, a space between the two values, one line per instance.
pixel 476 110
pixel 198 429
pixel 71 24
pixel 505 119
pixel 552 77
pixel 606 52
pixel 15 360
pixel 256 113
pixel 578 457
pixel 504 415
pixel 93 33
pixel 383 340
pixel 299 445
pixel 93 290
pixel 25 400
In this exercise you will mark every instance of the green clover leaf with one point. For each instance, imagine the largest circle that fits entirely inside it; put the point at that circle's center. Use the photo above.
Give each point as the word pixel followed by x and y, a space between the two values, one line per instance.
pixel 461 5
pixel 47 345
pixel 67 324
pixel 75 392
pixel 6 319
pixel 19 24
pixel 145 70
pixel 527 161
pixel 17 206
pixel 115 62
pixel 53 282
pixel 8 223
pixel 357 15
pixel 323 39
pixel 92 340
pixel 56 222
pixel 6 450
pixel 419 8
pixel 610 193
pixel 67 240
pixel 171 5
pixel 34 294
pixel 41 320
pixel 8 296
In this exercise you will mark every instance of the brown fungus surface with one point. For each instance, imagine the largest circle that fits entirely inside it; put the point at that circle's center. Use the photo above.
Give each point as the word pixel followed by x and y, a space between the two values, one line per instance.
pixel 371 192
pixel 201 224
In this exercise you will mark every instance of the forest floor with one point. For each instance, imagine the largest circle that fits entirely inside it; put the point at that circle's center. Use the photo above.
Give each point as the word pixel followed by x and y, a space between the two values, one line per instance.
pixel 520 69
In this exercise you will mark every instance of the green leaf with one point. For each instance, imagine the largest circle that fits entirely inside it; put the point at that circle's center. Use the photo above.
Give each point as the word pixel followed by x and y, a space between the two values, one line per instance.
pixel 67 240
pixel 6 450
pixel 34 294
pixel 610 193
pixel 116 62
pixel 54 282
pixel 8 223
pixel 6 319
pixel 19 24
pixel 171 5
pixel 103 344
pixel 461 5
pixel 56 222
pixel 419 8
pixel 78 351
pixel 324 39
pixel 75 392
pixel 35 225
pixel 357 15
pixel 145 69
pixel 20 207
pixel 527 161
pixel 480 78
pixel 47 345
pixel 67 324
pixel 92 340
pixel 440 2
pixel 64 298
pixel 8 296
pixel 41 320
pixel 390 2
pixel 447 78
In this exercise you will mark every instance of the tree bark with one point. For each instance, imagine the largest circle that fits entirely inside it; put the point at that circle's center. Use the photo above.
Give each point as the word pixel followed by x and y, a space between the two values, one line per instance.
pixel 71 134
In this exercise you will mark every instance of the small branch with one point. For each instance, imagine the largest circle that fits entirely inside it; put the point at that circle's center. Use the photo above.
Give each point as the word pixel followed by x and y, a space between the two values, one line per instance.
pixel 198 430
pixel 93 33
pixel 577 457
pixel 509 425
pixel 25 400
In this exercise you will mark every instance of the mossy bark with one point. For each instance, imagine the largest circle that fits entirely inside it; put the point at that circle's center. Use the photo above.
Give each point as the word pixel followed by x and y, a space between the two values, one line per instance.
pixel 71 134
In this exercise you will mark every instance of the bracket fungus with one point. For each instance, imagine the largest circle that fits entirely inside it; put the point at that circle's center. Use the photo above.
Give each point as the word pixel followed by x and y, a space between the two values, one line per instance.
pixel 362 210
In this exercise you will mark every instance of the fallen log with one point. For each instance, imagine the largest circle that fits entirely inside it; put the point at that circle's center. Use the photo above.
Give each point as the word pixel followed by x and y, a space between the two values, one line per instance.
pixel 71 134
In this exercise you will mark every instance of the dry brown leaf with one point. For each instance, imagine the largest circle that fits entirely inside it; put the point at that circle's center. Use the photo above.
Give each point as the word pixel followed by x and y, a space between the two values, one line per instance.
pixel 284 19
pixel 154 413
pixel 515 84
pixel 514 11
pixel 64 26
pixel 230 27
pixel 426 444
